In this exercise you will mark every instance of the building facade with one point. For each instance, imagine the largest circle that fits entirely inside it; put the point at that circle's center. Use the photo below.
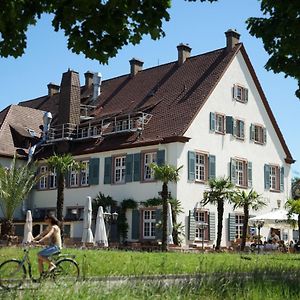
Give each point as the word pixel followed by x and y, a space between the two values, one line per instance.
pixel 206 113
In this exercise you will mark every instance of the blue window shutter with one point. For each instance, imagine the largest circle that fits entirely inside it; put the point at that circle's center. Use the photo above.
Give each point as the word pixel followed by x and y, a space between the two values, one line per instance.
pixel 231 227
pixel 94 171
pixel 234 91
pixel 191 165
pixel 282 179
pixel 212 121
pixel 137 167
pixel 158 228
pixel 265 135
pixel 245 95
pixel 192 226
pixel 233 170
pixel 160 157
pixel 267 176
pixel 229 124
pixel 249 177
pixel 212 226
pixel 108 170
pixel 252 132
pixel 129 167
pixel 242 129
pixel 135 225
pixel 211 167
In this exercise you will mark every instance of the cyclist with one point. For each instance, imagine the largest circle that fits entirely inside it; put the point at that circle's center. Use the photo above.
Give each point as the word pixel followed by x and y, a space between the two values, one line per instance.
pixel 52 232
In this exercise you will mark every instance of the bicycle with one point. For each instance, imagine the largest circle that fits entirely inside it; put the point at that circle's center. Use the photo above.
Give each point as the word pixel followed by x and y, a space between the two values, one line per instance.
pixel 13 272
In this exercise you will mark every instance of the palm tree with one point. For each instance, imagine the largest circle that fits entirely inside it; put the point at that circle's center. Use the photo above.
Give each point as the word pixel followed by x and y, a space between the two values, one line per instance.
pixel 296 188
pixel 220 191
pixel 165 174
pixel 293 207
pixel 15 184
pixel 246 201
pixel 62 165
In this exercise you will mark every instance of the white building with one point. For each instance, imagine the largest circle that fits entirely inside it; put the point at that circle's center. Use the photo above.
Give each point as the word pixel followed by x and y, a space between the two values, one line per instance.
pixel 207 113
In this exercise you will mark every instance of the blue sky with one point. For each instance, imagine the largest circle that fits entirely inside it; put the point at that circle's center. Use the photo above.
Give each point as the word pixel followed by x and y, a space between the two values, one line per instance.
pixel 201 25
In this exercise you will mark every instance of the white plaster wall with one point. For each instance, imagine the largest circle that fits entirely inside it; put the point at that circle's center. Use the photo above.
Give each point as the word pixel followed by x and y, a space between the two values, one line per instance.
pixel 225 146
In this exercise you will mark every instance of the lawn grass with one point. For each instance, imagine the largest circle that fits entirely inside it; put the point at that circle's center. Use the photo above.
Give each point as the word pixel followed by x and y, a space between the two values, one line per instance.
pixel 227 276
pixel 119 263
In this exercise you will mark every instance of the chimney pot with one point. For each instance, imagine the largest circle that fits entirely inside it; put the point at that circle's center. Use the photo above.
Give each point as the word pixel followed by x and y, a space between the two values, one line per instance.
pixel 232 38
pixel 88 75
pixel 184 52
pixel 136 65
pixel 52 89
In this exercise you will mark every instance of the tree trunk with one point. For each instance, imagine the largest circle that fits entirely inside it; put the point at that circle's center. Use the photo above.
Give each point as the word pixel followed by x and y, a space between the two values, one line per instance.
pixel 7 229
pixel 164 196
pixel 245 227
pixel 299 227
pixel 220 209
pixel 175 230
pixel 60 200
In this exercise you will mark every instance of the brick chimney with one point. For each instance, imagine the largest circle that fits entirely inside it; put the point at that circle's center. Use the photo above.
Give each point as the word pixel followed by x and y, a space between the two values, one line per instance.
pixel 232 38
pixel 136 65
pixel 69 99
pixel 184 52
pixel 52 89
pixel 88 75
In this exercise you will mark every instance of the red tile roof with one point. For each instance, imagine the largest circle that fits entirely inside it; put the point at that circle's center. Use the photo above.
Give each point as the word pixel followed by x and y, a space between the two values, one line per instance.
pixel 173 94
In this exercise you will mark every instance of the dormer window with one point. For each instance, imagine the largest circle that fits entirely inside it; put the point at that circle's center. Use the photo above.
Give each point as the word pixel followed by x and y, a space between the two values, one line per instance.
pixel 240 93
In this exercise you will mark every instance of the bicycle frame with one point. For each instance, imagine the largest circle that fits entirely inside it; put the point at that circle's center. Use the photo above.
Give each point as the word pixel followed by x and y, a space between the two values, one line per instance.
pixel 26 260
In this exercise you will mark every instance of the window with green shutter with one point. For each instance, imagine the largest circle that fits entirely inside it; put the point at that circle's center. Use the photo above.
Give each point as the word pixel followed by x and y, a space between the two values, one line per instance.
pixel 108 170
pixel 129 168
pixel 233 170
pixel 282 179
pixel 231 227
pixel 212 121
pixel 94 171
pixel 191 165
pixel 211 167
pixel 192 226
pixel 212 226
pixel 160 157
pixel 229 124
pixel 249 174
pixel 135 224
pixel 137 167
pixel 267 176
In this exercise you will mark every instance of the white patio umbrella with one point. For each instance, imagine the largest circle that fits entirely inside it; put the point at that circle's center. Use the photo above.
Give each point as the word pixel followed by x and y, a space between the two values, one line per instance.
pixel 277 217
pixel 28 228
pixel 170 226
pixel 87 235
pixel 100 233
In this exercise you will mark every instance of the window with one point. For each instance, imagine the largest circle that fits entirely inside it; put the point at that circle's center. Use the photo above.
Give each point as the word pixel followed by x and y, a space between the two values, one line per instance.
pixel 240 93
pixel 84 132
pixel 239 129
pixel 241 173
pixel 258 134
pixel 274 178
pixel 149 224
pixel 84 175
pixel 201 167
pixel 74 178
pixel 239 220
pixel 43 183
pixel 52 179
pixel 201 216
pixel 220 123
pixel 120 169
pixel 74 213
pixel 149 158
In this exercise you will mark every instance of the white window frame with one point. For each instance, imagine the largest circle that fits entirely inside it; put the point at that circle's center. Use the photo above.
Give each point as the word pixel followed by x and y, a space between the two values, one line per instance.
pixel 274 178
pixel 240 93
pixel 43 182
pixel 258 134
pixel 241 173
pixel 238 133
pixel 84 173
pixel 220 123
pixel 74 178
pixel 201 167
pixel 239 219
pixel 149 224
pixel 119 169
pixel 149 158
pixel 52 179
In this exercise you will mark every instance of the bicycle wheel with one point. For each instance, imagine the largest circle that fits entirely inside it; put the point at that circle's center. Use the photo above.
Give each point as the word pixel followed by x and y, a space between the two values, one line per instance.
pixel 12 274
pixel 66 272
